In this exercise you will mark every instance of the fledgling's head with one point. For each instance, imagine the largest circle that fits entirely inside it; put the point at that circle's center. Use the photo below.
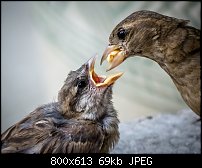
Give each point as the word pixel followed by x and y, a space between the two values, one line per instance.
pixel 85 94
pixel 137 34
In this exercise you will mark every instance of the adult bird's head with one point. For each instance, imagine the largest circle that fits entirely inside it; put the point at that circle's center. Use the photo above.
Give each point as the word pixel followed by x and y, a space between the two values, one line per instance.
pixel 142 33
pixel 86 94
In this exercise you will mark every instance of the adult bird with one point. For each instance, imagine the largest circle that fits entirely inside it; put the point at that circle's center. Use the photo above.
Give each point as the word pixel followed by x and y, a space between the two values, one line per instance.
pixel 169 41
pixel 82 121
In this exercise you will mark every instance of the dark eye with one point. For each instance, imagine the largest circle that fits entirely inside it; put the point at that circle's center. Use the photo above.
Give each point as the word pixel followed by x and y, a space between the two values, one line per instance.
pixel 121 34
pixel 81 83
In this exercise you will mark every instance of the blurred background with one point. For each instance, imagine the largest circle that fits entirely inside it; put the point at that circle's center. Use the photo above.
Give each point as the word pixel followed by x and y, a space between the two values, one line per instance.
pixel 42 41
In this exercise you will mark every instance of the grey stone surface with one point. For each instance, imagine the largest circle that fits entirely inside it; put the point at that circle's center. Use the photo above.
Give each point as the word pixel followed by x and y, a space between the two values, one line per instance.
pixel 178 133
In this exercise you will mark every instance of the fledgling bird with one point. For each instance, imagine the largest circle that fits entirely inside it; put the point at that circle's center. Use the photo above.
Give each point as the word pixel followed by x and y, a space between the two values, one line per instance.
pixel 82 121
pixel 169 41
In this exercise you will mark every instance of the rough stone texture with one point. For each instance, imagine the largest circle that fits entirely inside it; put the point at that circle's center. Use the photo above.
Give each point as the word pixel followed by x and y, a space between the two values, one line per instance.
pixel 165 134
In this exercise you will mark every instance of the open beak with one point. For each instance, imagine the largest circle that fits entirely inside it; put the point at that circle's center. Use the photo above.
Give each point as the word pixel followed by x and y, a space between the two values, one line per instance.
pixel 114 56
pixel 101 81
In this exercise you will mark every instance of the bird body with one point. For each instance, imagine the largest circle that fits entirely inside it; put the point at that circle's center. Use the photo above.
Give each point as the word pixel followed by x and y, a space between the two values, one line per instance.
pixel 46 131
pixel 169 41
pixel 82 121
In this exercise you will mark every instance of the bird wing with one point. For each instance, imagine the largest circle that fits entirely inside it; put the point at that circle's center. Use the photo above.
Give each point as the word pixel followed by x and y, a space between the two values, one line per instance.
pixel 78 136
pixel 47 135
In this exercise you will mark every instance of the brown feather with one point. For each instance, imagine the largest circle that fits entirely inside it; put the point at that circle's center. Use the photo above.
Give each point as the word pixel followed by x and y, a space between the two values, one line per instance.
pixel 170 42
pixel 65 127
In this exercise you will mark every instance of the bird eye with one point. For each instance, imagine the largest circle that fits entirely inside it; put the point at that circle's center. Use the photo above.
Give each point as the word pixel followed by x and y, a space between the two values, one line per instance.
pixel 81 83
pixel 121 34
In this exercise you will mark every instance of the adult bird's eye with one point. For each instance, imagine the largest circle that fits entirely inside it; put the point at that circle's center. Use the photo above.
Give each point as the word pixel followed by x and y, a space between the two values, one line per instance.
pixel 121 34
pixel 81 84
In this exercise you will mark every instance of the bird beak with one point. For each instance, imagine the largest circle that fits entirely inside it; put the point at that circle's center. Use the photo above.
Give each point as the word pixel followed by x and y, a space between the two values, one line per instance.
pixel 114 55
pixel 101 81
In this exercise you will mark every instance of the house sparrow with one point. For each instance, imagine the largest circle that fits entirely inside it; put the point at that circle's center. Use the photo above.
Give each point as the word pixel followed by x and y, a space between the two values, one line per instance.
pixel 169 41
pixel 82 121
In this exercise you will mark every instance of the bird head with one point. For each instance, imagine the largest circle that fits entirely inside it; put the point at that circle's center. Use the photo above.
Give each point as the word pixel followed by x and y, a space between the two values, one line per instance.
pixel 142 33
pixel 86 94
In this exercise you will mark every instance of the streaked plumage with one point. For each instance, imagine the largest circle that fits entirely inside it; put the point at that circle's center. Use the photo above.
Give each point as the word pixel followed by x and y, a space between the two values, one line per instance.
pixel 82 121
pixel 169 41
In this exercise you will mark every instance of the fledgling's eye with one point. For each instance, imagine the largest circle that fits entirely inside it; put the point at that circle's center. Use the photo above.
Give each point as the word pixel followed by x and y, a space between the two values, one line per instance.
pixel 121 34
pixel 81 83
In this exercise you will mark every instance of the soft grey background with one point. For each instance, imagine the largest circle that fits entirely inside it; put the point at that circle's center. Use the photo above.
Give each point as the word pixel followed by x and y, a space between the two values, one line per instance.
pixel 178 133
pixel 43 41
